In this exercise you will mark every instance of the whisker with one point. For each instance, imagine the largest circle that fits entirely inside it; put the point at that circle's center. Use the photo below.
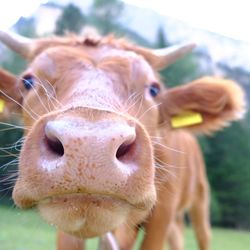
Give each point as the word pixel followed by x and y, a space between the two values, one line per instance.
pixel 153 106
pixel 132 96
pixel 7 188
pixel 140 106
pixel 158 160
pixel 168 148
pixel 54 92
pixel 50 97
pixel 8 129
pixel 13 162
pixel 8 153
pixel 136 97
pixel 164 169
pixel 30 109
pixel 9 179
pixel 12 99
pixel 12 125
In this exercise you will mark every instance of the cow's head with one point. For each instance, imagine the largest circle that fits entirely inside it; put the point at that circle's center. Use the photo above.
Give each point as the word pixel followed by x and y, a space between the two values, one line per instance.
pixel 90 109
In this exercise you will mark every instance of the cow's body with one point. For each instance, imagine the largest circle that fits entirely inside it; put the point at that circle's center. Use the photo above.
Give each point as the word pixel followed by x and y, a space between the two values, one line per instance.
pixel 99 145
pixel 181 186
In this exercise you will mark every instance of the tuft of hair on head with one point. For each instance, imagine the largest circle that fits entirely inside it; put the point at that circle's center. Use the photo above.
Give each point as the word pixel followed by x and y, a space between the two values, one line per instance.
pixel 91 36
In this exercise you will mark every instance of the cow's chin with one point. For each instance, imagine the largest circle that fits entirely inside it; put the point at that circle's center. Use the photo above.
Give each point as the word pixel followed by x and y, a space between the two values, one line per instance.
pixel 84 215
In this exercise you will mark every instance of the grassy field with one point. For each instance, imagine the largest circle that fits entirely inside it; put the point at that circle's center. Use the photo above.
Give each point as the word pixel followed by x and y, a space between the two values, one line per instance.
pixel 24 230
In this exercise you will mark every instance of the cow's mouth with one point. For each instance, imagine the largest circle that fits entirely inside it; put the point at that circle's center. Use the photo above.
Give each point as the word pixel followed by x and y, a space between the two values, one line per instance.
pixel 84 215
pixel 94 198
pixel 67 199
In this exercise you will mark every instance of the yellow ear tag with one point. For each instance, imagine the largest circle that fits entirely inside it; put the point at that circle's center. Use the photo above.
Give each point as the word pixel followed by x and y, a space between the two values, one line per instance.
pixel 185 119
pixel 2 104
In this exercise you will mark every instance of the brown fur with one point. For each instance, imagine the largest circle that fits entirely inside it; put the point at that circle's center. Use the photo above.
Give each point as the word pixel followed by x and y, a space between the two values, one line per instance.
pixel 182 185
pixel 106 81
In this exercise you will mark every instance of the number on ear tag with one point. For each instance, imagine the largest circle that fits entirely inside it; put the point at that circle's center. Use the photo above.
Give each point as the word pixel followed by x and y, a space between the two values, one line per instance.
pixel 186 119
pixel 2 104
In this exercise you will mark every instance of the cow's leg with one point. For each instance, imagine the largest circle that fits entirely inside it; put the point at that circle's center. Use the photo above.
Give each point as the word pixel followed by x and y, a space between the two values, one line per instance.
pixel 126 236
pixel 175 237
pixel 159 222
pixel 199 215
pixel 66 242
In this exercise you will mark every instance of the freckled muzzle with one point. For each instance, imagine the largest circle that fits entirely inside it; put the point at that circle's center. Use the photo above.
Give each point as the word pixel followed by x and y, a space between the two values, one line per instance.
pixel 89 166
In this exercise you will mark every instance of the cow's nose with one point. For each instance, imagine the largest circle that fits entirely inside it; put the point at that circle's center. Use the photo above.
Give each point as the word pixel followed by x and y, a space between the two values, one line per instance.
pixel 117 141
pixel 98 153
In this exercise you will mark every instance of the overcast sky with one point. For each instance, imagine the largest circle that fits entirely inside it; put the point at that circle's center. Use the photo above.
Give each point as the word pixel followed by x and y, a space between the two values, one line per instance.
pixel 227 17
pixel 12 10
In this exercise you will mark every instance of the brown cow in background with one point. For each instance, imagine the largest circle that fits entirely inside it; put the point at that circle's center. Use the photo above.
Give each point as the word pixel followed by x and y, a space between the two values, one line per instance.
pixel 99 144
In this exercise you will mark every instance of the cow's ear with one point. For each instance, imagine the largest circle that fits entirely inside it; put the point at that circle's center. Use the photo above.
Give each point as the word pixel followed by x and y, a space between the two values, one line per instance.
pixel 10 95
pixel 203 106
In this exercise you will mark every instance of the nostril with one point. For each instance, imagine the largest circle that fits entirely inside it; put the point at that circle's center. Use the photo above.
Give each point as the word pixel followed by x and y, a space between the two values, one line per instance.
pixel 52 139
pixel 54 145
pixel 125 151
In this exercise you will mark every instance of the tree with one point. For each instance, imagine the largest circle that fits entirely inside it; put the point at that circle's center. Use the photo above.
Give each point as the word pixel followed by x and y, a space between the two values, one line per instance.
pixel 105 13
pixel 227 157
pixel 71 19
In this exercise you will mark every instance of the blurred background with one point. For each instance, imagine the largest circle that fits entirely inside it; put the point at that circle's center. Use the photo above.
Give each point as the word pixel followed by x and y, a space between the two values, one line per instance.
pixel 223 52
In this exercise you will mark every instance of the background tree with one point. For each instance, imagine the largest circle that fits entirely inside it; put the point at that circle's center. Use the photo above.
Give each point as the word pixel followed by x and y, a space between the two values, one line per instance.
pixel 71 19
pixel 228 167
pixel 104 15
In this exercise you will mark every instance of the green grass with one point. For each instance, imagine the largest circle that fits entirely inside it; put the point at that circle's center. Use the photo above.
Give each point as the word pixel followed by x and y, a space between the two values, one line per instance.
pixel 25 230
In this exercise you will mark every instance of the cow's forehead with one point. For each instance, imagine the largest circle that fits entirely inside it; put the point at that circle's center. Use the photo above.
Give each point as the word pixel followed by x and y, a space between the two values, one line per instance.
pixel 93 57
pixel 137 62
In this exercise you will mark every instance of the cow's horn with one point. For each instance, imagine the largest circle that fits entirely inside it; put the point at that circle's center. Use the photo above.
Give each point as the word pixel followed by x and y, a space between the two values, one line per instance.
pixel 169 55
pixel 17 43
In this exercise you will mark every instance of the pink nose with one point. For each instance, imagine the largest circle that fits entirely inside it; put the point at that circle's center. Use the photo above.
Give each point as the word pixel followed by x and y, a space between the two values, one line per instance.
pixel 99 153
pixel 104 141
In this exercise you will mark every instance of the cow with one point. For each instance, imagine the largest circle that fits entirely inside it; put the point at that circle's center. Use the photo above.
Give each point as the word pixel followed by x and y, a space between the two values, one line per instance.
pixel 105 148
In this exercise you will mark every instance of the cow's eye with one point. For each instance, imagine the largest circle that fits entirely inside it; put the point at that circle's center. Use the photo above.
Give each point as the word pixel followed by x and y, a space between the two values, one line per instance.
pixel 28 81
pixel 154 89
